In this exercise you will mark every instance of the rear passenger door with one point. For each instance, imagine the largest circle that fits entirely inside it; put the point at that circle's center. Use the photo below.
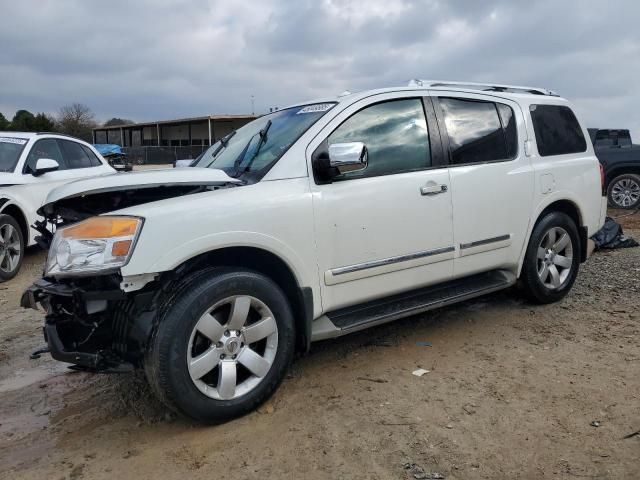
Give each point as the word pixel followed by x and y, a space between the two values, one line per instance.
pixel 491 178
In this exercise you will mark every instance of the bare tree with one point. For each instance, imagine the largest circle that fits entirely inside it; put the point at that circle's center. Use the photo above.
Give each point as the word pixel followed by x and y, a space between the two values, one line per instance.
pixel 76 119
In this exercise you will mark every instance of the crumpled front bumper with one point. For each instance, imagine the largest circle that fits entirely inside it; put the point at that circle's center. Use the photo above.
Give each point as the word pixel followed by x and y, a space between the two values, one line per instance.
pixel 73 314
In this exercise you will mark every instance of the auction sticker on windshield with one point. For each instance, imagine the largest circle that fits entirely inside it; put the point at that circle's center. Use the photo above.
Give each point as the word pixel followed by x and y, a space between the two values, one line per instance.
pixel 17 141
pixel 318 107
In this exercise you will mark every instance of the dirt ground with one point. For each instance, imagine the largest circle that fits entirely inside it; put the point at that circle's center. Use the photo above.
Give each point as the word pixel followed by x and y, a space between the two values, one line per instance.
pixel 513 391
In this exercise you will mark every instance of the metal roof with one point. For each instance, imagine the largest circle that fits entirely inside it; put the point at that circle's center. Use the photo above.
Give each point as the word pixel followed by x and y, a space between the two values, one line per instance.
pixel 178 120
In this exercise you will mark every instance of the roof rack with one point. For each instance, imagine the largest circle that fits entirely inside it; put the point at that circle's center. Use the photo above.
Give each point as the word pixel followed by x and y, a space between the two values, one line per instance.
pixel 486 87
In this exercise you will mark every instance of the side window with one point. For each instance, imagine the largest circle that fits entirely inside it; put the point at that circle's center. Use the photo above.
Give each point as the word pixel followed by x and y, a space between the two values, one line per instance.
pixel 508 120
pixel 557 130
pixel 74 155
pixel 395 134
pixel 45 148
pixel 479 131
pixel 95 162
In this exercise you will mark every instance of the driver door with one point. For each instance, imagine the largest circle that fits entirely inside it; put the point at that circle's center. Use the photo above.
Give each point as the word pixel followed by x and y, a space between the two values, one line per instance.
pixel 387 228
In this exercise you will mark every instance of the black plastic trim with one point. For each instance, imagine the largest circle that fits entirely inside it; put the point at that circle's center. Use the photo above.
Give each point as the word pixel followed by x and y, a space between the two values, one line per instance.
pixel 306 300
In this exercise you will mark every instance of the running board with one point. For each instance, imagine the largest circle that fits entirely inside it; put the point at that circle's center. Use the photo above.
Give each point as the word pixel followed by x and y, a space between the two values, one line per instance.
pixel 358 317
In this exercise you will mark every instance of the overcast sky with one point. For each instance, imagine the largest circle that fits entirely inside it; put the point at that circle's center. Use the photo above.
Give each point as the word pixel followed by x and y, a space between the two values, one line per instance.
pixel 161 59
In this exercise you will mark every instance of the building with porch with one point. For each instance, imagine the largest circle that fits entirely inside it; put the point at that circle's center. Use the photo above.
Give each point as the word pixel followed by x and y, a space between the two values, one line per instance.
pixel 169 140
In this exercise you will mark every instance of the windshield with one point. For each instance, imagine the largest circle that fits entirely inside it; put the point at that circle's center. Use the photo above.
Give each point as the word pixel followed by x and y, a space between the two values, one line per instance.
pixel 250 151
pixel 10 150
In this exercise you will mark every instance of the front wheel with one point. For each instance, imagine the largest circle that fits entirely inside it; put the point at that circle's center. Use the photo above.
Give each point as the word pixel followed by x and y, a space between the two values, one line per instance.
pixel 223 346
pixel 552 259
pixel 11 247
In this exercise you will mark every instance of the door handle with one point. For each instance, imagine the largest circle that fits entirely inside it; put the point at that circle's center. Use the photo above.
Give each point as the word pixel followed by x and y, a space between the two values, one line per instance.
pixel 433 189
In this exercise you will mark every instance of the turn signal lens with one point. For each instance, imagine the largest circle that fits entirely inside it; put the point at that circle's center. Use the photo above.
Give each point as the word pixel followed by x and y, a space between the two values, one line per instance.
pixel 121 248
pixel 103 227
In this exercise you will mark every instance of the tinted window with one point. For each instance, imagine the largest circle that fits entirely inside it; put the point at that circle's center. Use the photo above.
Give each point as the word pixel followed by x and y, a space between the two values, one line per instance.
pixel 47 148
pixel 74 155
pixel 95 162
pixel 395 134
pixel 476 132
pixel 508 120
pixel 557 130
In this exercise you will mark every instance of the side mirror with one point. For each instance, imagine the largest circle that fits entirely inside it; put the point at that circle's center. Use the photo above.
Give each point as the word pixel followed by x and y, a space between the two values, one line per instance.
pixel 348 157
pixel 45 165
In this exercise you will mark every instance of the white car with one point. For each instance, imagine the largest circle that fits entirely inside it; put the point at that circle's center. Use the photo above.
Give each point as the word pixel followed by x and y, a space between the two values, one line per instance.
pixel 31 165
pixel 312 222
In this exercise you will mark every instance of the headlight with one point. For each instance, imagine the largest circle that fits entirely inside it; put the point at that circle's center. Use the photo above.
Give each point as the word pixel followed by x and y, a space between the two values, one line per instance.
pixel 94 245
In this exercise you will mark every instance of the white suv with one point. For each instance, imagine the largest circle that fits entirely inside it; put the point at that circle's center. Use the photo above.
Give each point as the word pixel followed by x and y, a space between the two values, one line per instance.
pixel 312 222
pixel 31 165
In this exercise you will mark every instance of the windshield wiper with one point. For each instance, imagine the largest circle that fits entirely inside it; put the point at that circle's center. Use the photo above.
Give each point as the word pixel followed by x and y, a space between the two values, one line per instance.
pixel 261 142
pixel 223 143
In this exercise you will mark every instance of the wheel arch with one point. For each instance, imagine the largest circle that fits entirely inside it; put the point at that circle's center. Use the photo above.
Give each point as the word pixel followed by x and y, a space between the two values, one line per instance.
pixel 9 208
pixel 270 265
pixel 568 207
pixel 616 171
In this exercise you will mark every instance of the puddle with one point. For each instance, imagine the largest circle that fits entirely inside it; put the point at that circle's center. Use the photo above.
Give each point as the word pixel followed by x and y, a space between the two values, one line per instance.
pixel 25 377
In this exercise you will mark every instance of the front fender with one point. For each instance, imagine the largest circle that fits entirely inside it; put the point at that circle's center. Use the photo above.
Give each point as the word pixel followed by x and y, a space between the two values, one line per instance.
pixel 216 241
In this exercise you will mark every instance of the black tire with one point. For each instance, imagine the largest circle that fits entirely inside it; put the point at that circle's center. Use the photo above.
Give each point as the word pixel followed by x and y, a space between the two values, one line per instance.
pixel 166 361
pixel 7 272
pixel 530 282
pixel 633 181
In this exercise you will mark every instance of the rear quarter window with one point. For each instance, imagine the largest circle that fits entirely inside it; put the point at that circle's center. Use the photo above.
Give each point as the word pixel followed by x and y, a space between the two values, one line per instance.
pixel 557 130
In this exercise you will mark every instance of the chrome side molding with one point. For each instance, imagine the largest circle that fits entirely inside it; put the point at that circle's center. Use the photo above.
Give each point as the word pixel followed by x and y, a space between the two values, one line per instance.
pixel 485 241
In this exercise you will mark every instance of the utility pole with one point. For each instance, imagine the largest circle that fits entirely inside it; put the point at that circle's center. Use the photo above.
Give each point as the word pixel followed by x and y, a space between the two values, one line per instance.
pixel 253 109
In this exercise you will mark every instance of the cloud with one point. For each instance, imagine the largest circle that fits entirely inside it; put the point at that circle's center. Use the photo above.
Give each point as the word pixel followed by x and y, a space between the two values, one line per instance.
pixel 162 59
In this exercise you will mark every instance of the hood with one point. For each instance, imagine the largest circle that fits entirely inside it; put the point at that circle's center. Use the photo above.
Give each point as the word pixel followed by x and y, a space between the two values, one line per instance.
pixel 82 199
pixel 117 182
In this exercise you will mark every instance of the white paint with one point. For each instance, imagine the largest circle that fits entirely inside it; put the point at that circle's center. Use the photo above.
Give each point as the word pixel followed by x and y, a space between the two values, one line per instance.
pixel 28 192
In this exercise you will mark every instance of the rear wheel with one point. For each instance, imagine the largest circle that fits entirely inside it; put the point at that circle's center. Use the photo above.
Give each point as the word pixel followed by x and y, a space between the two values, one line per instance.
pixel 552 259
pixel 223 346
pixel 624 191
pixel 11 247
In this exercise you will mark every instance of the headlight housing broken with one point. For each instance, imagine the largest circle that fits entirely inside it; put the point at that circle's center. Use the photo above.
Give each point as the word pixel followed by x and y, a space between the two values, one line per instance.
pixel 94 245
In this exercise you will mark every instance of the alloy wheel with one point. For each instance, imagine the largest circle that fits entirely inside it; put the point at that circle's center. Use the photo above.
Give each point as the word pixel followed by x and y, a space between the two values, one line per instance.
pixel 625 192
pixel 555 258
pixel 232 347
pixel 10 250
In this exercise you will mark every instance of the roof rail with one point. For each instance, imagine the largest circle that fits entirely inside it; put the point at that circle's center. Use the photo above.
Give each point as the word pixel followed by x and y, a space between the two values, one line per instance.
pixel 60 134
pixel 486 87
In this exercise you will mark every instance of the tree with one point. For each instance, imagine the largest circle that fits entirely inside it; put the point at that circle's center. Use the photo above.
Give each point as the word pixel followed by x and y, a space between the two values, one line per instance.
pixel 43 123
pixel 23 121
pixel 76 119
pixel 115 121
pixel 4 123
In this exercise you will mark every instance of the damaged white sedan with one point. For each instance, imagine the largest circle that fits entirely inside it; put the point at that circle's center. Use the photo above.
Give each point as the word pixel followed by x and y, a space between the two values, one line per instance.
pixel 313 222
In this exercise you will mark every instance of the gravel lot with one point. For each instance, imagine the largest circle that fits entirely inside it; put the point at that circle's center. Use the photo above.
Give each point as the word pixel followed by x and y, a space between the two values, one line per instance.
pixel 513 391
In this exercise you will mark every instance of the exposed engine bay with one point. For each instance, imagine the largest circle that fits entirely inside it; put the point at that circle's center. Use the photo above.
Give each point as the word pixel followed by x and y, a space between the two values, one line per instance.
pixel 77 208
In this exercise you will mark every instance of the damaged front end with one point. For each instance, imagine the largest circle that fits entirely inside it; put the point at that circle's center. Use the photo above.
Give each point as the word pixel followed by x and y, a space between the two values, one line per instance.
pixel 79 200
pixel 92 323
pixel 96 319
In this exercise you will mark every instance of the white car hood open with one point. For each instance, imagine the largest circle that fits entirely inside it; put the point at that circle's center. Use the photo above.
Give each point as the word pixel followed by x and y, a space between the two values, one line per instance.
pixel 137 180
